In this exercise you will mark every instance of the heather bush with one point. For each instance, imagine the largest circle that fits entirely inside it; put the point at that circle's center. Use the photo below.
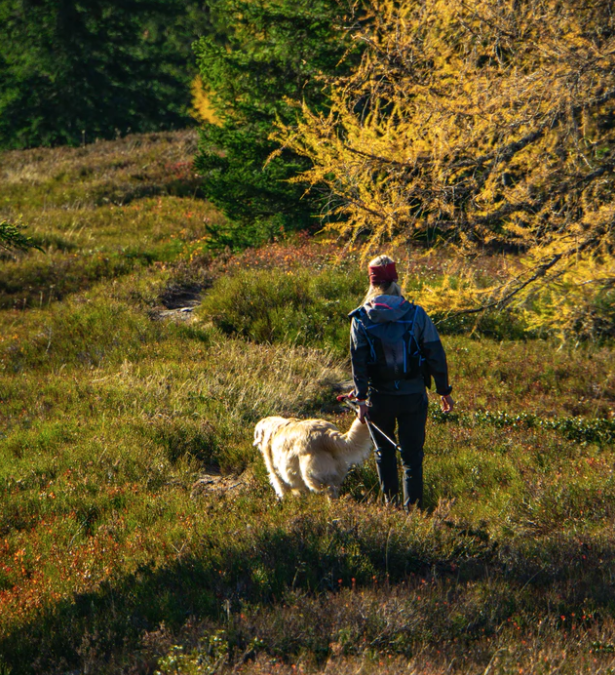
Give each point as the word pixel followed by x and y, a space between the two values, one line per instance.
pixel 297 307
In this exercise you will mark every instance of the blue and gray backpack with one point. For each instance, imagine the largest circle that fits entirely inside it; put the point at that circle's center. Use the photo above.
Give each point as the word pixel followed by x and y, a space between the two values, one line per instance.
pixel 394 351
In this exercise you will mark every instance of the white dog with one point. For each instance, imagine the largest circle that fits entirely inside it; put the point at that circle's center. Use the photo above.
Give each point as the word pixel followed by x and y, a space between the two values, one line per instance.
pixel 309 455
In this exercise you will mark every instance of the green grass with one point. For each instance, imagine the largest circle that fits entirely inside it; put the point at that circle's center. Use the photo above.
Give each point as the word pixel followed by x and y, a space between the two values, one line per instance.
pixel 295 307
pixel 98 213
pixel 112 558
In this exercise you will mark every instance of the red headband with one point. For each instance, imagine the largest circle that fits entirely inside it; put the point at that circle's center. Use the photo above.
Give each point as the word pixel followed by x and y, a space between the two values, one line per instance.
pixel 382 274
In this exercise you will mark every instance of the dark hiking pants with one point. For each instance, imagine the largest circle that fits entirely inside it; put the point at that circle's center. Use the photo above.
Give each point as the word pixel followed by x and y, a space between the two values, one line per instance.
pixel 409 411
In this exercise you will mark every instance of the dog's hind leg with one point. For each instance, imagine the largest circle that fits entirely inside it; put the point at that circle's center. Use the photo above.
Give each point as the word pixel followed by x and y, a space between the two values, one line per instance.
pixel 333 492
pixel 280 489
pixel 317 476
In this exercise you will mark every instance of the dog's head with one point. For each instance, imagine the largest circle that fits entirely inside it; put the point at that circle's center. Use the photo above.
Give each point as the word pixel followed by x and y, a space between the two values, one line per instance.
pixel 265 429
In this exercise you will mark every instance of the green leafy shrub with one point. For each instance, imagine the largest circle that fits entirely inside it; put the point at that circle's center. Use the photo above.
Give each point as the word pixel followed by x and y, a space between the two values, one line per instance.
pixel 311 308
pixel 296 307
pixel 206 660
pixel 504 324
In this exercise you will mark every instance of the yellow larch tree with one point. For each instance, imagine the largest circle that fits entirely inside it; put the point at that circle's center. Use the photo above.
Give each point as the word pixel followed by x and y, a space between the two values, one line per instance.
pixel 488 123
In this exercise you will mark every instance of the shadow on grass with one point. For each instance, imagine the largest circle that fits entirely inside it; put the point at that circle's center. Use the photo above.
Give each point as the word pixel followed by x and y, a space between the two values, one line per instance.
pixel 124 194
pixel 315 559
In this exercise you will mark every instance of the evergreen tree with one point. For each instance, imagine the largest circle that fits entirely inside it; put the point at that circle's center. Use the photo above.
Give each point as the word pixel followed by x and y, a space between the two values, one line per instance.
pixel 73 71
pixel 261 60
pixel 12 238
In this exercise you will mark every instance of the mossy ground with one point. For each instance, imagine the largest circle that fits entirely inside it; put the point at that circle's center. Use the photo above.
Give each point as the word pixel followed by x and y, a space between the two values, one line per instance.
pixel 113 559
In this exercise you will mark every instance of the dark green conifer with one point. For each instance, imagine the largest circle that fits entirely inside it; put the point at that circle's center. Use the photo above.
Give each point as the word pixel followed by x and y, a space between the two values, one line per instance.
pixel 74 71
pixel 261 59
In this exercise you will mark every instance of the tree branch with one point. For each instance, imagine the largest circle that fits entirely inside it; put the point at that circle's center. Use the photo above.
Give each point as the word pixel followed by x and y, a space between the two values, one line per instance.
pixel 540 272
pixel 506 153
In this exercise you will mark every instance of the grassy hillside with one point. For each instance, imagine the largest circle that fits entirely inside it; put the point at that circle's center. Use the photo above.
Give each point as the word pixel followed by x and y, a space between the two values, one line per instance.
pixel 138 533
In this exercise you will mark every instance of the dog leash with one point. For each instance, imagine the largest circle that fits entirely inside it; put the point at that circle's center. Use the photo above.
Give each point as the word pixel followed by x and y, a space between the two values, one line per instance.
pixel 370 425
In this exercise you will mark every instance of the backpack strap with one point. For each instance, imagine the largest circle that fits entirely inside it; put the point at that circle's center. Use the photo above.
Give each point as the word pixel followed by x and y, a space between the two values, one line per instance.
pixel 359 317
pixel 410 332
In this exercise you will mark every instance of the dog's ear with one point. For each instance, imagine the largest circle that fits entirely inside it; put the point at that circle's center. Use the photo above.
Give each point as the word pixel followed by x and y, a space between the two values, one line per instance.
pixel 262 433
pixel 264 430
pixel 258 433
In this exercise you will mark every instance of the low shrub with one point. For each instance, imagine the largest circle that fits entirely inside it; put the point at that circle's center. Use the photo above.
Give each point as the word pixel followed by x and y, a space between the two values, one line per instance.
pixel 296 307
pixel 310 307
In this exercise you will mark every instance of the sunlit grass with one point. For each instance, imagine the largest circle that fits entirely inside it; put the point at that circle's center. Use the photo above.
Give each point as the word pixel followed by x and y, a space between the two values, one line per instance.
pixel 113 560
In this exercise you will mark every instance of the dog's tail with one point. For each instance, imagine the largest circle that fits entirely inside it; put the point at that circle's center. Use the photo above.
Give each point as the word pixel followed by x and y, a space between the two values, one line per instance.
pixel 355 445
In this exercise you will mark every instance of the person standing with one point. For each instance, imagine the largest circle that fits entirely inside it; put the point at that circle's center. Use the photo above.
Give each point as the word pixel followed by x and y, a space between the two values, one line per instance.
pixel 395 350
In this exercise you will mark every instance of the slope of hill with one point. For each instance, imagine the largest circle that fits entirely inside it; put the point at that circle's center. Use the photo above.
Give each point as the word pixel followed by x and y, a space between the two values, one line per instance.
pixel 138 532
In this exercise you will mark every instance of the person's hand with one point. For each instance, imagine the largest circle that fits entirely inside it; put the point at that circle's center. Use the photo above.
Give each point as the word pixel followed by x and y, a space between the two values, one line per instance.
pixel 447 403
pixel 362 411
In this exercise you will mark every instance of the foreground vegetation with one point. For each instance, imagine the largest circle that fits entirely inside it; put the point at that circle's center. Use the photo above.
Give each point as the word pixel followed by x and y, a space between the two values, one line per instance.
pixel 138 532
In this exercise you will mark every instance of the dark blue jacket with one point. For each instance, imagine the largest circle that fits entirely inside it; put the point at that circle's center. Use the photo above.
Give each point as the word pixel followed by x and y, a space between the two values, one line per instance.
pixel 387 318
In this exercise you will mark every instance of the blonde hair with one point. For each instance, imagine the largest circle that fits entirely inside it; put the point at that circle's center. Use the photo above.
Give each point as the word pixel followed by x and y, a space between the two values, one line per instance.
pixel 389 288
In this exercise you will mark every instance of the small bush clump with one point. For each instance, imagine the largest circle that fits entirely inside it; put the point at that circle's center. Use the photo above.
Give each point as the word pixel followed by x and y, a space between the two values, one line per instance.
pixel 296 307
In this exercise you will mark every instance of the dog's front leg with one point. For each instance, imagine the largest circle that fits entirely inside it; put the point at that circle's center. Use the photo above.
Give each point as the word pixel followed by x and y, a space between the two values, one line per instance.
pixel 332 492
pixel 280 489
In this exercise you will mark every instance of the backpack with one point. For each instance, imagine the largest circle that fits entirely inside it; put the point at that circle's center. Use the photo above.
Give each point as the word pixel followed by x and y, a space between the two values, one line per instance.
pixel 394 351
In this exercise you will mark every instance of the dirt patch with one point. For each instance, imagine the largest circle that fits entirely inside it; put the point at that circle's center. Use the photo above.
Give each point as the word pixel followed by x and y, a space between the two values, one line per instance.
pixel 178 302
pixel 182 314
pixel 209 483
pixel 181 296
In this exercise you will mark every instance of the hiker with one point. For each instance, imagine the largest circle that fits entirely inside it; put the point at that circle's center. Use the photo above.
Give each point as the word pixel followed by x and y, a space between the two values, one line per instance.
pixel 395 350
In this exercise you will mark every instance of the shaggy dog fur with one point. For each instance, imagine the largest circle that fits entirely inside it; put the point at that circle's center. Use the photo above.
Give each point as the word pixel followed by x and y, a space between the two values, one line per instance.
pixel 309 455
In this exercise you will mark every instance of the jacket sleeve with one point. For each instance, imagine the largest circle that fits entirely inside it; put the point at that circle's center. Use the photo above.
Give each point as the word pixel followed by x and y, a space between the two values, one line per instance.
pixel 359 354
pixel 433 352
